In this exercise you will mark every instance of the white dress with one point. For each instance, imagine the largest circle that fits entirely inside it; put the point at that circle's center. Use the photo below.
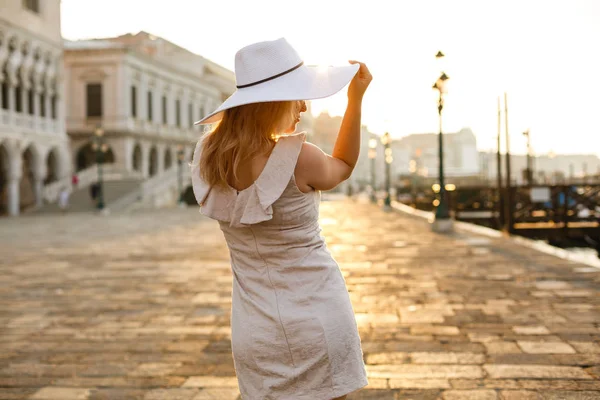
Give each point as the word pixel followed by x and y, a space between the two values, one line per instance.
pixel 294 334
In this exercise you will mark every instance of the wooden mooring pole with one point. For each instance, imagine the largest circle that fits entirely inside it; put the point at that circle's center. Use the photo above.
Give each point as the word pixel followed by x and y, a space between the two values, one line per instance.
pixel 508 200
pixel 500 204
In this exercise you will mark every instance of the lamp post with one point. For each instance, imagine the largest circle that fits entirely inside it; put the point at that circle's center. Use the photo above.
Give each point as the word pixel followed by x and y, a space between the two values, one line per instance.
pixel 372 156
pixel 529 170
pixel 100 147
pixel 412 169
pixel 442 221
pixel 386 141
pixel 180 156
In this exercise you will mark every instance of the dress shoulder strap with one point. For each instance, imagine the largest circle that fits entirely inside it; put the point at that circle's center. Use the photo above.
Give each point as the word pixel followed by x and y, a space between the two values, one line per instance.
pixel 279 168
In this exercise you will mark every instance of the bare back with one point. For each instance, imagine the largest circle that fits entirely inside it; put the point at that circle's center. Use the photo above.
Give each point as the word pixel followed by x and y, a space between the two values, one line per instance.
pixel 248 171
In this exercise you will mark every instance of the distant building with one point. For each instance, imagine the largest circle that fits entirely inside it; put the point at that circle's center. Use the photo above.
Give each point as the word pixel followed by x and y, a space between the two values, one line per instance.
pixel 307 122
pixel 33 143
pixel 325 132
pixel 145 92
pixel 547 168
pixel 460 154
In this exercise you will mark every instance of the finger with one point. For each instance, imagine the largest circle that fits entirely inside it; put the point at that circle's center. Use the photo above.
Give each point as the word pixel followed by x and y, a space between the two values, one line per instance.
pixel 357 62
pixel 363 70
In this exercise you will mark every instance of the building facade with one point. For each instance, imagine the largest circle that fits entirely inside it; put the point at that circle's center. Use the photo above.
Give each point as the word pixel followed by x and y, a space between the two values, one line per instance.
pixel 144 93
pixel 325 130
pixel 34 149
pixel 419 153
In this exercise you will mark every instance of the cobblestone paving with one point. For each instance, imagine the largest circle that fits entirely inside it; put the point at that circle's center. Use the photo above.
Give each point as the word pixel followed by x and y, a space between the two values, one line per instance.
pixel 137 307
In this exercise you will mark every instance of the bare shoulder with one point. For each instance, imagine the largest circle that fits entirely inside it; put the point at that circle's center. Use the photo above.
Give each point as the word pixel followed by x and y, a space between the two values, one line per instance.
pixel 309 154
pixel 318 170
pixel 308 164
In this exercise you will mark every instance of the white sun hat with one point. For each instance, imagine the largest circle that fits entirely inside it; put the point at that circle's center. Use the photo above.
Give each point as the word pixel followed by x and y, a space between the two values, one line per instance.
pixel 273 71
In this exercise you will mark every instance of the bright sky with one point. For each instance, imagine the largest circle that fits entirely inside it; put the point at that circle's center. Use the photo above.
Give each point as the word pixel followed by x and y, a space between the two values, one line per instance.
pixel 543 53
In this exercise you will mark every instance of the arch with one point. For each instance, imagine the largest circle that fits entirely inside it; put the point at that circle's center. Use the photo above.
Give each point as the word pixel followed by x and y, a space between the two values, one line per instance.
pixel 52 166
pixel 153 164
pixel 30 158
pixel 4 169
pixel 188 196
pixel 137 158
pixel 86 156
pixel 168 158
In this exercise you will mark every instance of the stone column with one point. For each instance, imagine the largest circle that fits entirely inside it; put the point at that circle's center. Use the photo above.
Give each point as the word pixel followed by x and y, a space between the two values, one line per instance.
pixel 38 185
pixel 160 155
pixel 207 106
pixel 14 178
pixel 38 79
pixel 156 103
pixel 123 151
pixel 198 103
pixel 13 196
pixel 50 89
pixel 48 117
pixel 142 100
pixel 185 101
pixel 12 101
pixel 36 106
pixel 171 96
pixel 145 159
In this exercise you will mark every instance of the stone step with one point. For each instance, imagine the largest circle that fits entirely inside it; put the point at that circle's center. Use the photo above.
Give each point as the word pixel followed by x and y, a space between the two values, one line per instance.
pixel 81 199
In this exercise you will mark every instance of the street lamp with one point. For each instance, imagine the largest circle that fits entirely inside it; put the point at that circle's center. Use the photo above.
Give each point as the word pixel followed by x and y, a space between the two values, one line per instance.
pixel 442 221
pixel 529 170
pixel 372 156
pixel 413 169
pixel 386 141
pixel 100 147
pixel 180 157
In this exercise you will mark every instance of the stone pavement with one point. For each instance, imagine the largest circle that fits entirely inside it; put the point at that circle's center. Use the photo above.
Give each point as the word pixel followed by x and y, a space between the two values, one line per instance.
pixel 137 306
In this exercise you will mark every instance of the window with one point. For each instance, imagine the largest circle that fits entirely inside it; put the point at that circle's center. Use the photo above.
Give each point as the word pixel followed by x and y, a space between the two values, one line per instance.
pixel 53 105
pixel 191 114
pixel 133 101
pixel 164 110
pixel 94 99
pixel 5 95
pixel 178 112
pixel 150 106
pixel 42 105
pixel 18 97
pixel 32 5
pixel 4 98
pixel 30 95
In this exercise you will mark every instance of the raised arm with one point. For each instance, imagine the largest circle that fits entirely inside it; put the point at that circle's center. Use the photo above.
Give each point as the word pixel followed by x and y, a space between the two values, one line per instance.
pixel 320 171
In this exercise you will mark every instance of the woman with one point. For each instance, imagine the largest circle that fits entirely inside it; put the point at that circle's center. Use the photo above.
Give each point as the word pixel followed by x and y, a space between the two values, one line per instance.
pixel 294 335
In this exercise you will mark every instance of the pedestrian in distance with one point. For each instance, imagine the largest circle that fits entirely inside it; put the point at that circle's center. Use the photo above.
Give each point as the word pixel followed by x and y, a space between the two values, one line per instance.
pixel 293 330
pixel 94 192
pixel 63 199
pixel 75 181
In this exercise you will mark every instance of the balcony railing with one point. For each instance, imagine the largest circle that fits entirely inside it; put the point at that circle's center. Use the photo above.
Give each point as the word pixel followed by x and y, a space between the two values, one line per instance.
pixel 29 123
pixel 124 124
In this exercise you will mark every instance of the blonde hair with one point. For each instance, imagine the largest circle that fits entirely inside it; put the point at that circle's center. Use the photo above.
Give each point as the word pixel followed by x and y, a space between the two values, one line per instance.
pixel 242 133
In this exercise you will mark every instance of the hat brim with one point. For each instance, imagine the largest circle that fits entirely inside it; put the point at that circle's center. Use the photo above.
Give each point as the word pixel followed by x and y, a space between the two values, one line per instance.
pixel 304 83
